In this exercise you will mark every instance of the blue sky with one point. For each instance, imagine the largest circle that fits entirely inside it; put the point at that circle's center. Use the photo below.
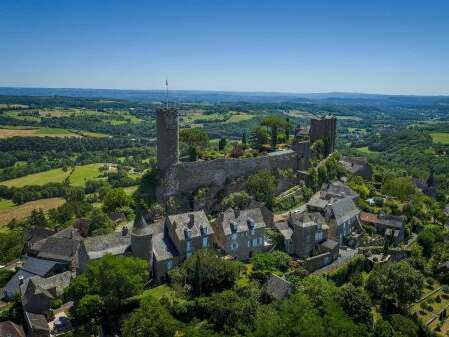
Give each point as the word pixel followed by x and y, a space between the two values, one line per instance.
pixel 377 46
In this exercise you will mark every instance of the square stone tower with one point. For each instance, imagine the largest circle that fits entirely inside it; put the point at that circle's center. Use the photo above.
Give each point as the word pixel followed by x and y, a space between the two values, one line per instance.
pixel 324 128
pixel 167 138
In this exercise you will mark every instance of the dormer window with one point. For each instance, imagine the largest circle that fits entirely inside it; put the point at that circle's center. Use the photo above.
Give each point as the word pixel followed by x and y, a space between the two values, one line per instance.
pixel 251 223
pixel 234 226
pixel 203 230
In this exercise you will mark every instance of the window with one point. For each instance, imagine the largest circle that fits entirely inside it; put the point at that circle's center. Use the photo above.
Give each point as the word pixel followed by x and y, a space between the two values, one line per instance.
pixel 205 241
pixel 318 236
pixel 169 264
pixel 255 242
pixel 253 232
pixel 234 236
pixel 234 245
pixel 249 243
pixel 261 241
pixel 189 246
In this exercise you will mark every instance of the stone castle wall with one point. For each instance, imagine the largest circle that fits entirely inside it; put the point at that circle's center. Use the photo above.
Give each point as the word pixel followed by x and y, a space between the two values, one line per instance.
pixel 189 176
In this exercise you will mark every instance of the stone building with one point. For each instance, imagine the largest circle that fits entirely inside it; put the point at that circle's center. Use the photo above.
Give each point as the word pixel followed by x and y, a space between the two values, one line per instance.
pixel 324 128
pixel 182 177
pixel 240 233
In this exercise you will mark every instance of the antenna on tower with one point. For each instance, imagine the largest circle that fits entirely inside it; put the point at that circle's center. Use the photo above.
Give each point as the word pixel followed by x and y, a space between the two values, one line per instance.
pixel 166 93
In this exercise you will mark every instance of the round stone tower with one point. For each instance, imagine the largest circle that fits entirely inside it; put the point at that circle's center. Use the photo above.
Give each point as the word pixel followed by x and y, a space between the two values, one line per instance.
pixel 167 138
pixel 142 240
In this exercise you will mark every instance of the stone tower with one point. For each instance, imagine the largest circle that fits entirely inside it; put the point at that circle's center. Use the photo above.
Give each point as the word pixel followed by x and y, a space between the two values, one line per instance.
pixel 142 241
pixel 167 138
pixel 324 128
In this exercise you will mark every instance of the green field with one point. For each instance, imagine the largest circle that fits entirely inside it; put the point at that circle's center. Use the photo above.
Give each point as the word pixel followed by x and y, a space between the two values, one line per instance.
pixel 6 203
pixel 84 173
pixel 80 175
pixel 440 137
pixel 52 131
pixel 365 149
pixel 239 117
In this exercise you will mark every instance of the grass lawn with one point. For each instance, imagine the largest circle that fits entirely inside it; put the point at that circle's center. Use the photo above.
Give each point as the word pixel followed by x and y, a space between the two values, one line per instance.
pixel 131 189
pixel 440 137
pixel 22 211
pixel 159 291
pixel 84 173
pixel 52 131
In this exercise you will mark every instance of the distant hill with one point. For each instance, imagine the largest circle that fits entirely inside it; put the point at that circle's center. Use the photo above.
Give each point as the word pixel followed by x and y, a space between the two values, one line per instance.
pixel 230 96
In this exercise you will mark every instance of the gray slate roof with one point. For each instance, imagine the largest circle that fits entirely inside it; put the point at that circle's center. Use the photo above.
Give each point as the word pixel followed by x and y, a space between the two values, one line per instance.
pixel 36 322
pixel 329 244
pixel 344 209
pixel 242 220
pixel 163 248
pixel 114 243
pixel 284 229
pixel 58 248
pixel 32 267
pixel 51 287
pixel 182 222
pixel 338 189
pixel 278 288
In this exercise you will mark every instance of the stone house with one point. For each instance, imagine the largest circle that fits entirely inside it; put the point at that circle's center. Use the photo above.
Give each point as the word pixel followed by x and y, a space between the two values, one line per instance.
pixel 240 233
pixel 309 230
pixel 342 216
pixel 37 325
pixel 287 235
pixel 38 293
pixel 277 288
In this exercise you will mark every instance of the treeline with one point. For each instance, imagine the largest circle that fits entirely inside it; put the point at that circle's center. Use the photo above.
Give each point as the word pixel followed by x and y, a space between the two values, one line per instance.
pixel 41 144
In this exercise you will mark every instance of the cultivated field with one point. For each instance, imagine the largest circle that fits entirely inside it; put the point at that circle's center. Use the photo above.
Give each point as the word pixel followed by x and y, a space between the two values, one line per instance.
pixel 78 178
pixel 37 132
pixel 24 210
pixel 440 137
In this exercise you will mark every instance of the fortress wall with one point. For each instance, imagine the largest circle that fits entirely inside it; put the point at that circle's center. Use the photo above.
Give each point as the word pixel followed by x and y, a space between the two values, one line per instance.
pixel 189 176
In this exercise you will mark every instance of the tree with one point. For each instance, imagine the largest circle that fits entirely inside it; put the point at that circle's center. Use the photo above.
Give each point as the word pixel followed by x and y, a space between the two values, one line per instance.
pixel 115 199
pixel 358 184
pixel 262 186
pixel 356 303
pixel 258 138
pixel 100 223
pixel 150 320
pixel 37 218
pixel 194 137
pixel 317 149
pixel 239 200
pixel 402 188
pixel 244 139
pixel 107 282
pixel 395 283
pixel 205 272
pixel 275 123
pixel 193 153
pixel 265 264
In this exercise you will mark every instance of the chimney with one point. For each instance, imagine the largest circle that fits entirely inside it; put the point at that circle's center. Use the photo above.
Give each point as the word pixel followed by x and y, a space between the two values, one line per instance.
pixel 191 220
pixel 124 231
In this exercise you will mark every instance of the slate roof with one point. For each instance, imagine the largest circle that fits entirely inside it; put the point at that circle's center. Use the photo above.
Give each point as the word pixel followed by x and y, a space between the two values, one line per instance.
pixel 317 202
pixel 344 209
pixel 114 243
pixel 337 189
pixel 36 234
pixel 243 219
pixel 36 322
pixel 182 222
pixel 51 287
pixel 284 229
pixel 277 288
pixel 59 249
pixel 163 248
pixel 32 267
pixel 329 245
pixel 10 329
